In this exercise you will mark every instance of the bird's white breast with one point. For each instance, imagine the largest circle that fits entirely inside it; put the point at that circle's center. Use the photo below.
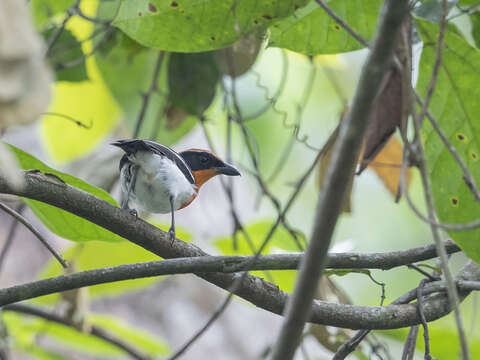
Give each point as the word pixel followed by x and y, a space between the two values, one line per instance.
pixel 158 179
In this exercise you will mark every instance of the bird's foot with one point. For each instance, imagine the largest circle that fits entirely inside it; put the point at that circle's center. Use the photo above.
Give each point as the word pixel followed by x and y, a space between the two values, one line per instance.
pixel 133 212
pixel 172 236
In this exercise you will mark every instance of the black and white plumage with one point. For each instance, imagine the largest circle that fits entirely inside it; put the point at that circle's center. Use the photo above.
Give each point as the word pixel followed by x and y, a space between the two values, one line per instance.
pixel 160 180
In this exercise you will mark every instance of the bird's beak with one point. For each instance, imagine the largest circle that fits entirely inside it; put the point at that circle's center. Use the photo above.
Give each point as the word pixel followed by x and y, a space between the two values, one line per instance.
pixel 117 143
pixel 227 170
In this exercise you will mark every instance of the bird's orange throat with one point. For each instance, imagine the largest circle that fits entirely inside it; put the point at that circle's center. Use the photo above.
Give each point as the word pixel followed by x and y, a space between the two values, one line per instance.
pixel 201 177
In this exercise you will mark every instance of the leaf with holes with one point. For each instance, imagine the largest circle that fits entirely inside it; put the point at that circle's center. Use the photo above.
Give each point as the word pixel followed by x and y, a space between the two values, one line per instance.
pixel 311 31
pixel 198 25
pixel 456 107
pixel 61 222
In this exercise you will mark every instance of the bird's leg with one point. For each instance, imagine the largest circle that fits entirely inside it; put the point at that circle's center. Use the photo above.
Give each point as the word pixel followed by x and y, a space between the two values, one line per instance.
pixel 129 191
pixel 171 232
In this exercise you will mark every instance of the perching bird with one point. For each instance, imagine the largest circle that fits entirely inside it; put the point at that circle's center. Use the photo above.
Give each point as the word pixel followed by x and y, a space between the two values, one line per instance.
pixel 160 180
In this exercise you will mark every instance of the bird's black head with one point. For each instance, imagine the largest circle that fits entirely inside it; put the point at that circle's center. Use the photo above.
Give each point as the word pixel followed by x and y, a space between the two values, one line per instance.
pixel 205 165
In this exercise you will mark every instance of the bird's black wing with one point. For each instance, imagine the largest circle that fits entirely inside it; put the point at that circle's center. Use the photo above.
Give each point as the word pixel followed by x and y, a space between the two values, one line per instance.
pixel 134 145
pixel 172 155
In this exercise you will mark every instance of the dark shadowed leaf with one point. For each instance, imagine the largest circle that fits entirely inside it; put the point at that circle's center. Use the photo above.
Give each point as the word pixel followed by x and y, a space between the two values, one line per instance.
pixel 192 81
pixel 237 59
pixel 194 26
pixel 66 49
pixel 388 109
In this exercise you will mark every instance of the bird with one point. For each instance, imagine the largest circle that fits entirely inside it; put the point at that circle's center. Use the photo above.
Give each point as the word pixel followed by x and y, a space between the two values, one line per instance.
pixel 160 180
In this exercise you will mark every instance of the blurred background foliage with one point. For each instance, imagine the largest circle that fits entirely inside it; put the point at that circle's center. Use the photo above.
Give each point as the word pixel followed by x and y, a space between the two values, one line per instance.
pixel 157 69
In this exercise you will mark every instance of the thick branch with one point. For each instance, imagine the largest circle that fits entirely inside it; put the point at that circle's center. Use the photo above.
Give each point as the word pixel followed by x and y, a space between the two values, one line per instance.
pixel 43 188
pixel 205 264
pixel 342 165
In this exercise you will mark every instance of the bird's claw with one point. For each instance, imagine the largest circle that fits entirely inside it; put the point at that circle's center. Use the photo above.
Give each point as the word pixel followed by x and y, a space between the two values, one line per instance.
pixel 172 236
pixel 134 212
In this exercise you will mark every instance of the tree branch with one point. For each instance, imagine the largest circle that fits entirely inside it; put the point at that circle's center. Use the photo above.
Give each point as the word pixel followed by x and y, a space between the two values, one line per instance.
pixel 344 158
pixel 253 289
pixel 203 264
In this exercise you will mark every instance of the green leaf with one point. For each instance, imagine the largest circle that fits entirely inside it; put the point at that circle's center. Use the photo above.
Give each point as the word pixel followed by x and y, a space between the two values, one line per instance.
pixel 312 31
pixel 44 10
pixel 26 328
pixel 456 107
pixel 141 339
pixel 192 80
pixel 198 25
pixel 64 50
pixel 61 222
pixel 91 255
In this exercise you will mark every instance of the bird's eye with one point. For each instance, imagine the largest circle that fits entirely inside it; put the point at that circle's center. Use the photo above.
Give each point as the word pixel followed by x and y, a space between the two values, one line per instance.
pixel 203 159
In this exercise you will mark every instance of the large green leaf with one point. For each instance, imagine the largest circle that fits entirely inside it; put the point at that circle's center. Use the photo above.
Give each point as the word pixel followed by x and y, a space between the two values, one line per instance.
pixel 312 31
pixel 88 256
pixel 198 25
pixel 60 222
pixel 456 107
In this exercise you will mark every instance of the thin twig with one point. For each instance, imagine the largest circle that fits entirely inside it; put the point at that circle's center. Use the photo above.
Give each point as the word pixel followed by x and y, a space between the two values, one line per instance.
pixel 271 101
pixel 94 330
pixel 424 321
pixel 432 216
pixel 10 236
pixel 410 344
pixel 147 96
pixel 437 63
pixel 423 272
pixel 331 199
pixel 34 231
